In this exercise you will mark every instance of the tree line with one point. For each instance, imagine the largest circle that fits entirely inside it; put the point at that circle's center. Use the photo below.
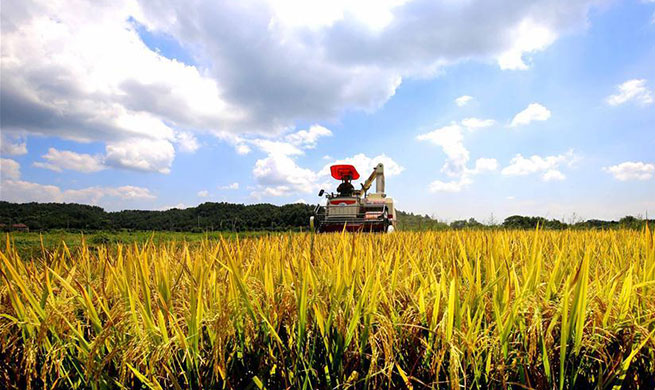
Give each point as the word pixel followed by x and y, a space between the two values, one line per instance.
pixel 224 216
pixel 410 221
pixel 207 216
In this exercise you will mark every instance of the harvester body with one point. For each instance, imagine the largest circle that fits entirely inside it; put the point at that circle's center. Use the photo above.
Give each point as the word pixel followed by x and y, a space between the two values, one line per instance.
pixel 355 210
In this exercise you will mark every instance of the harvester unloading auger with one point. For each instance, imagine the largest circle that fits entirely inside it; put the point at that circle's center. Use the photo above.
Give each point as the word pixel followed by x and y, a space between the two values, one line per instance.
pixel 355 210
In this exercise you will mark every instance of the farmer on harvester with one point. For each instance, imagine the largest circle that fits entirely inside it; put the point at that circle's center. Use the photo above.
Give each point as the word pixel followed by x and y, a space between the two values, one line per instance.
pixel 346 188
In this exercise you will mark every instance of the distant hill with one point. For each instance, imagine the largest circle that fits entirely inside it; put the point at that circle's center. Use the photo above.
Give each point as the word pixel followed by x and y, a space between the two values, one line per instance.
pixel 238 217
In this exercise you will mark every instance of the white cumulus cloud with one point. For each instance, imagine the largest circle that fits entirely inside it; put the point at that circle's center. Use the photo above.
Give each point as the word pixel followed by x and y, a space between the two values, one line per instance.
pixel 308 138
pixel 12 146
pixel 482 165
pixel 9 169
pixel 82 72
pixel 473 124
pixel 553 175
pixel 13 189
pixel 631 170
pixel 548 166
pixel 242 149
pixel 59 160
pixel 203 194
pixel 23 191
pixel 450 186
pixel 233 186
pixel 365 164
pixel 530 36
pixel 450 139
pixel 141 154
pixel 463 100
pixel 278 174
pixel 485 165
pixel 186 141
pixel 631 91
pixel 281 175
pixel 534 112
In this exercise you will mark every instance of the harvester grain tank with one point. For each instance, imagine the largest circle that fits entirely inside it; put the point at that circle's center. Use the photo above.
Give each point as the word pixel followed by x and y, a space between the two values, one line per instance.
pixel 352 209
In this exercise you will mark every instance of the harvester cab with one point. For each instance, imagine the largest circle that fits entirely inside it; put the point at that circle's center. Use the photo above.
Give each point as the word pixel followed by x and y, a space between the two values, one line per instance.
pixel 355 209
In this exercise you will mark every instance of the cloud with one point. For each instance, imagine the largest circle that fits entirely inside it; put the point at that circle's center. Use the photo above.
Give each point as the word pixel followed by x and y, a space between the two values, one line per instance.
pixel 281 148
pixel 485 165
pixel 23 191
pixel 13 189
pixel 548 166
pixel 83 73
pixel 128 192
pixel 365 164
pixel 281 153
pixel 278 174
pixel 450 139
pixel 553 175
pixel 243 149
pixel 233 186
pixel 186 141
pixel 482 165
pixel 141 154
pixel 59 160
pixel 450 186
pixel 104 84
pixel 12 146
pixel 308 138
pixel 137 154
pixel 530 37
pixel 630 170
pixel 534 112
pixel 473 124
pixel 9 169
pixel 203 194
pixel 463 100
pixel 631 91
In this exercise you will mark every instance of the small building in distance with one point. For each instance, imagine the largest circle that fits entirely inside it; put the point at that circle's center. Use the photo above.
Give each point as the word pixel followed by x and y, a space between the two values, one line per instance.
pixel 20 227
pixel 16 227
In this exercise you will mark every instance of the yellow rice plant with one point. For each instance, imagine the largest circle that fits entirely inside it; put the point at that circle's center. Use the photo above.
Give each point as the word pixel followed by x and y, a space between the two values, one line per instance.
pixel 453 309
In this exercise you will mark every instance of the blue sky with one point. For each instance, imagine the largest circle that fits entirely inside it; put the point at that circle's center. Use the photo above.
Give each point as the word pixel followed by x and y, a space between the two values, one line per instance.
pixel 476 108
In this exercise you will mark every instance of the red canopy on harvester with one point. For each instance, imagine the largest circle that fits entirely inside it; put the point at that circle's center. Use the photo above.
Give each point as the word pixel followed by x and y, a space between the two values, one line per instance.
pixel 339 171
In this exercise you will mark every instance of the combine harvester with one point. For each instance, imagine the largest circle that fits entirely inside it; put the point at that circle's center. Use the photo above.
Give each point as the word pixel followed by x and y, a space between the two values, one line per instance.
pixel 355 210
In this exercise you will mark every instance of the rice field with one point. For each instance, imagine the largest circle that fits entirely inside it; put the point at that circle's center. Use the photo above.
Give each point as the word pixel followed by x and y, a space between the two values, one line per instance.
pixel 451 309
